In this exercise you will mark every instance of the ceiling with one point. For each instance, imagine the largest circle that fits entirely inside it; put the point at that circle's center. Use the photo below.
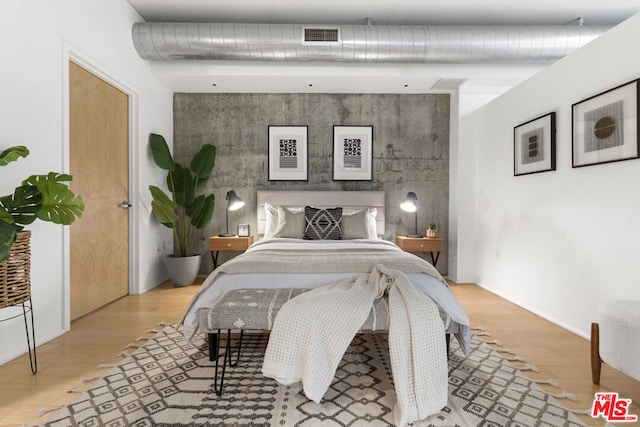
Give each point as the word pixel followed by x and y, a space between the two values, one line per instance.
pixel 481 82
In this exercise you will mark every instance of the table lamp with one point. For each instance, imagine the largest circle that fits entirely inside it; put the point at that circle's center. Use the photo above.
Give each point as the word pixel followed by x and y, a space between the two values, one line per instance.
pixel 410 204
pixel 233 204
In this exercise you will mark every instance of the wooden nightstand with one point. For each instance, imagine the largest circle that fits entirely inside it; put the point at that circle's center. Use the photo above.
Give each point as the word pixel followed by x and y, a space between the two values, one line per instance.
pixel 421 244
pixel 219 244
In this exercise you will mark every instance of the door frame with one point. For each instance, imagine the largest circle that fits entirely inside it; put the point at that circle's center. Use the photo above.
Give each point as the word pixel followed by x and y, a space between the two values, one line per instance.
pixel 73 54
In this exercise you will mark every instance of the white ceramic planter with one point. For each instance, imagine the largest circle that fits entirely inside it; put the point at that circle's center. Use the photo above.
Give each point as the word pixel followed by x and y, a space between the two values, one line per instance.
pixel 183 271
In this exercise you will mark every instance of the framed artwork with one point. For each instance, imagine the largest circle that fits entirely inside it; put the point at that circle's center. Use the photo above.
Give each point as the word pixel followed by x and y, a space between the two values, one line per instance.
pixel 534 145
pixel 352 153
pixel 605 127
pixel 288 160
pixel 244 230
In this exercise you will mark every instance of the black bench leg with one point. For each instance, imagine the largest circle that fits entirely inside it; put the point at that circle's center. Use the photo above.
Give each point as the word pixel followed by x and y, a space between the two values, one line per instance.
pixel 218 387
pixel 239 348
pixel 447 337
pixel 213 346
pixel 226 359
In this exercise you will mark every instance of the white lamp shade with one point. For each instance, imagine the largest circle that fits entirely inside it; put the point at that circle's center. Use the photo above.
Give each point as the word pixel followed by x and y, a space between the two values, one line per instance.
pixel 235 205
pixel 233 201
pixel 409 204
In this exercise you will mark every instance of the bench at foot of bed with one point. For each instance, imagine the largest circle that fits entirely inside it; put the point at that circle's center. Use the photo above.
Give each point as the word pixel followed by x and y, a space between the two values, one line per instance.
pixel 255 309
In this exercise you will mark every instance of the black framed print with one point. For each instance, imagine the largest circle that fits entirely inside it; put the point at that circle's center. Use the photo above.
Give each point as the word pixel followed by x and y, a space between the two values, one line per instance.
pixel 534 145
pixel 352 153
pixel 288 159
pixel 605 127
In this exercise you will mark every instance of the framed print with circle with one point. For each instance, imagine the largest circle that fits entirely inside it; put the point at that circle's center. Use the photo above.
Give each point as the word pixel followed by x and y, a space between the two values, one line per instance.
pixel 534 145
pixel 605 127
pixel 352 153
pixel 288 153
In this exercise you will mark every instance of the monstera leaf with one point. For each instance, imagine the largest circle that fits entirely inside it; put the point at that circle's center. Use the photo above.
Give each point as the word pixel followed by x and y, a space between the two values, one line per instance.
pixel 59 204
pixel 44 197
pixel 12 154
pixel 7 237
pixel 23 205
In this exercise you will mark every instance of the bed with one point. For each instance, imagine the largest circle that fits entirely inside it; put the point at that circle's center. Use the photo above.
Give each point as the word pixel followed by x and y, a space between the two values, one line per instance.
pixel 328 242
pixel 259 266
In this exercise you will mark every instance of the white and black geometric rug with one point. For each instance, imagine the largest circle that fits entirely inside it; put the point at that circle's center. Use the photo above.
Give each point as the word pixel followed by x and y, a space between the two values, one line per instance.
pixel 168 382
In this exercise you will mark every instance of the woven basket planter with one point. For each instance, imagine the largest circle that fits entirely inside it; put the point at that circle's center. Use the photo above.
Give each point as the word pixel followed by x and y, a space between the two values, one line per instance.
pixel 15 277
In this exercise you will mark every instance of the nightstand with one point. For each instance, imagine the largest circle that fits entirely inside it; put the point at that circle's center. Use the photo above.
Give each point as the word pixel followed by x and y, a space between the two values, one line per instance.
pixel 421 244
pixel 219 244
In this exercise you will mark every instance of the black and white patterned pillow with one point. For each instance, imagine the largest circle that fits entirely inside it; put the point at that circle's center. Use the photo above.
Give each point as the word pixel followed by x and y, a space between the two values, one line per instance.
pixel 322 224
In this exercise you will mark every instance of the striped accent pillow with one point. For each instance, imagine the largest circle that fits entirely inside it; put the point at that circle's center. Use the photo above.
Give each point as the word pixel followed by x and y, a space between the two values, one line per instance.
pixel 322 224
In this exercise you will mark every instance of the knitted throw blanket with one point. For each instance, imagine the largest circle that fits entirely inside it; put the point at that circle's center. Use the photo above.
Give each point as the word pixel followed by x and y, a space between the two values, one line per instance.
pixel 312 332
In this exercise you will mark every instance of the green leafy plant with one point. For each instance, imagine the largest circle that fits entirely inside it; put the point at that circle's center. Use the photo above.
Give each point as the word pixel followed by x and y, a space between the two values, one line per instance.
pixel 432 226
pixel 183 209
pixel 44 197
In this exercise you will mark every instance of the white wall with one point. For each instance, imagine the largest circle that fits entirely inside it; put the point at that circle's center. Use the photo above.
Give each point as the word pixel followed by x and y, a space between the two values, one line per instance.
pixel 461 192
pixel 557 242
pixel 37 37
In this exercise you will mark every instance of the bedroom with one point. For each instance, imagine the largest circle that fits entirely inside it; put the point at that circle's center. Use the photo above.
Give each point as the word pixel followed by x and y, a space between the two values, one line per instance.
pixel 573 226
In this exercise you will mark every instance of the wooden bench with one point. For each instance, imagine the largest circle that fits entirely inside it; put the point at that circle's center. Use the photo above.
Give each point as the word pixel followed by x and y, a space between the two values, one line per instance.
pixel 255 310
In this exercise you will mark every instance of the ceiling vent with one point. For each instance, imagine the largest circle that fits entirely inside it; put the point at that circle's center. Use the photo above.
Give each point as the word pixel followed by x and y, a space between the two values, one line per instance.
pixel 322 36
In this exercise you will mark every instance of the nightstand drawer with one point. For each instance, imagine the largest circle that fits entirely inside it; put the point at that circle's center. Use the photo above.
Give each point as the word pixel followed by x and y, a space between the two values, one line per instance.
pixel 420 244
pixel 232 244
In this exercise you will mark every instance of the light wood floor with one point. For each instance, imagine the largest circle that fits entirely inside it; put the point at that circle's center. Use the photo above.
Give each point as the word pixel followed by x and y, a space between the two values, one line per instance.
pixel 97 339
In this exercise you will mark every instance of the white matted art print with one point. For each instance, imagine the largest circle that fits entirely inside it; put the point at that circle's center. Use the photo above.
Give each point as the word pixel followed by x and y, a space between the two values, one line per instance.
pixel 534 145
pixel 352 153
pixel 288 158
pixel 605 126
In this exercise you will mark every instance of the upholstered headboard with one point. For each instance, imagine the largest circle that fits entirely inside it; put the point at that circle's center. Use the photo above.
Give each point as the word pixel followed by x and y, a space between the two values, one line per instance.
pixel 322 199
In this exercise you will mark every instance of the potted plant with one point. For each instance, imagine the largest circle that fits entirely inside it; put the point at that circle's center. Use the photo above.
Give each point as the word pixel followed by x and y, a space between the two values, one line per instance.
pixel 44 197
pixel 432 231
pixel 182 209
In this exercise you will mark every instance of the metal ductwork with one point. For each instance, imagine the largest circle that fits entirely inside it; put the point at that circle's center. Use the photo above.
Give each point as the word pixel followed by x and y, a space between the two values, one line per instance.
pixel 542 44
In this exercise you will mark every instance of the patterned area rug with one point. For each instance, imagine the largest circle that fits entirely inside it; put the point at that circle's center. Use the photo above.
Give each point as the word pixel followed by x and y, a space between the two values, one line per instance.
pixel 168 382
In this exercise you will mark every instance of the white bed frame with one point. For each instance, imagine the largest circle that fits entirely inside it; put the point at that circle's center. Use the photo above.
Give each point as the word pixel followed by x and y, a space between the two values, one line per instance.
pixel 322 199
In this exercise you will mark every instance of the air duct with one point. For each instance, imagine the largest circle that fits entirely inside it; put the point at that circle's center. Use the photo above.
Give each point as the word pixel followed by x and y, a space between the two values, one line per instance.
pixel 159 41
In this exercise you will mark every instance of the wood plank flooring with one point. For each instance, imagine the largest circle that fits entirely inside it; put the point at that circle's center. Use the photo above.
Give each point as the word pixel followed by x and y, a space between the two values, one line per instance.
pixel 98 337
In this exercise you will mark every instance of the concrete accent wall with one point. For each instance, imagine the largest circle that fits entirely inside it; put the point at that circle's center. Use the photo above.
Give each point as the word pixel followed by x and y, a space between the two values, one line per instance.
pixel 410 150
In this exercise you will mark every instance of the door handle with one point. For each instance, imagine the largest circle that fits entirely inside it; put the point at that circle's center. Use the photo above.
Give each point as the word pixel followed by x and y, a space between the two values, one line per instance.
pixel 125 204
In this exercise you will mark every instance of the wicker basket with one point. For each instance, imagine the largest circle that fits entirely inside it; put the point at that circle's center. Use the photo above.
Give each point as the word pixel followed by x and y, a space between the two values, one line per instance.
pixel 15 278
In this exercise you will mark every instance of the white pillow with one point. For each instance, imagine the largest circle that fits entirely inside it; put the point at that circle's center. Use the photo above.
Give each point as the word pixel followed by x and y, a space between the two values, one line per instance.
pixel 373 227
pixel 271 221
pixel 290 223
pixel 359 224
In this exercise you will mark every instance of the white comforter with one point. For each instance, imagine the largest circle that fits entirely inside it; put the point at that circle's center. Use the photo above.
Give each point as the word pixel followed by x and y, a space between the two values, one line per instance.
pixel 216 285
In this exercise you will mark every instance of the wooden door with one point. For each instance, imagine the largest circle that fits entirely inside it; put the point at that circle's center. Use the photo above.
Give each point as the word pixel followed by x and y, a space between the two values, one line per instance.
pixel 98 152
